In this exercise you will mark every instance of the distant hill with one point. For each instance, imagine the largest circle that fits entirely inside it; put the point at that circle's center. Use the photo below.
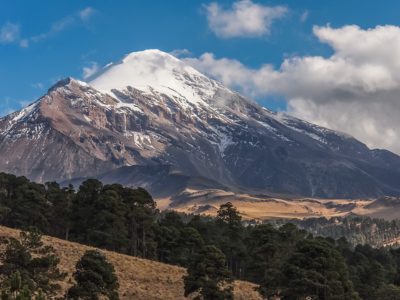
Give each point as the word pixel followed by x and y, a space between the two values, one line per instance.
pixel 139 278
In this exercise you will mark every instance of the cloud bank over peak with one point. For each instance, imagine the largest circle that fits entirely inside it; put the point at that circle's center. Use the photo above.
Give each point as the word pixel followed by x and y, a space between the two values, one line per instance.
pixel 244 19
pixel 355 90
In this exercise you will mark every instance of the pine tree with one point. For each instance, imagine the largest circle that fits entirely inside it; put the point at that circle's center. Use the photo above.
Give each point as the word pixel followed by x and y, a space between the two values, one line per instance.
pixel 60 213
pixel 140 215
pixel 209 276
pixel 231 239
pixel 94 277
pixel 108 229
pixel 29 266
pixel 318 271
pixel 82 207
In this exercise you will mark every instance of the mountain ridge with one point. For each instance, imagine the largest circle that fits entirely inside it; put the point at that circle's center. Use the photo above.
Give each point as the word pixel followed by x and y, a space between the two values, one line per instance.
pixel 164 112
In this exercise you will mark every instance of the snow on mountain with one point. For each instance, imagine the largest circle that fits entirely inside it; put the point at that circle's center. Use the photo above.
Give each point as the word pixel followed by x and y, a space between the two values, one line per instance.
pixel 155 72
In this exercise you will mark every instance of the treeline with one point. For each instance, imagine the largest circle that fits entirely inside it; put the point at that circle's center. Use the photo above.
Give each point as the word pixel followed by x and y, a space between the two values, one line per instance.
pixel 105 216
pixel 284 260
pixel 356 229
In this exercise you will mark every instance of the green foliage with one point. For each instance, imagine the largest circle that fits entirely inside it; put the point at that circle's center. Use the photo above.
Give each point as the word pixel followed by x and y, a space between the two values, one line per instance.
pixel 316 270
pixel 387 292
pixel 230 242
pixel 94 277
pixel 208 275
pixel 15 282
pixel 356 229
pixel 107 228
pixel 140 216
pixel 176 242
pixel 60 213
pixel 22 203
pixel 28 266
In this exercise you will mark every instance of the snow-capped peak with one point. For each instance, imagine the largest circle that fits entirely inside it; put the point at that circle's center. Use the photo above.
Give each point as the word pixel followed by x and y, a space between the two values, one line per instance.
pixel 66 82
pixel 154 71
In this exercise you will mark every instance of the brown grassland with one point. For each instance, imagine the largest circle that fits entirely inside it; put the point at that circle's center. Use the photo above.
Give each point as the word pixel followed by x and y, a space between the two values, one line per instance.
pixel 139 278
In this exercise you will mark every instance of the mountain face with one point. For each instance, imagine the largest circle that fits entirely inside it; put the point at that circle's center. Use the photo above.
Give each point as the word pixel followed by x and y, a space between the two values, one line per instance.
pixel 154 115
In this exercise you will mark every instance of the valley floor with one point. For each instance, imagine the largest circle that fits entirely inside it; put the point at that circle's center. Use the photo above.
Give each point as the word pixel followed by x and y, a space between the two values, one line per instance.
pixel 261 207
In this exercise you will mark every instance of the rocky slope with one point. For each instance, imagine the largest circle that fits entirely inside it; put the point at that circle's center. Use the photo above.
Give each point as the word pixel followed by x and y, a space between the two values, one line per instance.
pixel 152 114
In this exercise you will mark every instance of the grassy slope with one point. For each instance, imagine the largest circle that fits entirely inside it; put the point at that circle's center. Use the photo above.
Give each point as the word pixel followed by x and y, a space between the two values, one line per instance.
pixel 138 278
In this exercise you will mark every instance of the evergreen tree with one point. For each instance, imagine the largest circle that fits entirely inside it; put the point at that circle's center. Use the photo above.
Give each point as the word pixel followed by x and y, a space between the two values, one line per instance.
pixel 167 238
pixel 208 275
pixel 95 278
pixel 61 200
pixel 25 205
pixel 83 207
pixel 108 229
pixel 318 271
pixel 231 239
pixel 140 214
pixel 387 292
pixel 29 266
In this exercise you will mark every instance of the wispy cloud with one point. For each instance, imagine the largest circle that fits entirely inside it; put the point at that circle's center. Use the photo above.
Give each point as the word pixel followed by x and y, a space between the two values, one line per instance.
pixel 7 106
pixel 180 53
pixel 244 19
pixel 24 43
pixel 304 16
pixel 38 85
pixel 10 33
pixel 86 13
pixel 90 70
pixel 57 27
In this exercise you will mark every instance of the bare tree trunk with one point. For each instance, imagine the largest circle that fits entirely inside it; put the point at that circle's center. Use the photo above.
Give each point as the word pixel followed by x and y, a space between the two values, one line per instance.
pixel 144 241
pixel 67 234
pixel 133 239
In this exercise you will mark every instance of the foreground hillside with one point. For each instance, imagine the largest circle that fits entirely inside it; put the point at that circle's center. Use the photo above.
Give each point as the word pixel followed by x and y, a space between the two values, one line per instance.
pixel 138 278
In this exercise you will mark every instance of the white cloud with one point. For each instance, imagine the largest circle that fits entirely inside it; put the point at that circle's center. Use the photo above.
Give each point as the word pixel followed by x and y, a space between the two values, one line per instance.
pixel 180 53
pixel 355 90
pixel 90 70
pixel 244 19
pixel 234 74
pixel 55 28
pixel 9 33
pixel 86 13
pixel 65 23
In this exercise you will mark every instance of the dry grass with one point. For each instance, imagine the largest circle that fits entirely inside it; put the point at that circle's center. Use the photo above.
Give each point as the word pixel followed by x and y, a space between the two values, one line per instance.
pixel 261 207
pixel 139 278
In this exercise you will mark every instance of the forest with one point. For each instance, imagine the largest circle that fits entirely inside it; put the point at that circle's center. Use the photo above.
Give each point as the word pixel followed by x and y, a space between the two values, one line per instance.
pixel 283 260
pixel 356 229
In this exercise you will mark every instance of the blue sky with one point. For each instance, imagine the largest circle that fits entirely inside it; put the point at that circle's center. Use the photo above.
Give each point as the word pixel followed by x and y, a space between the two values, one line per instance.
pixel 116 28
pixel 44 41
